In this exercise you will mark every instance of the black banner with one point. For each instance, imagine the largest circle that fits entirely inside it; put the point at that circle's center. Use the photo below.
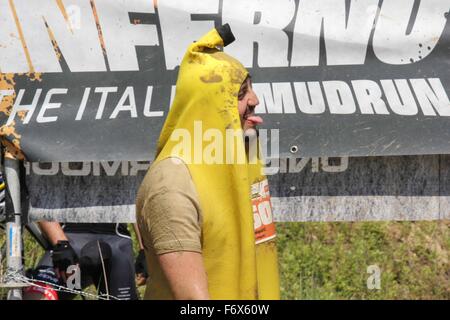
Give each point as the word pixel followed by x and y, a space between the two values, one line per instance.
pixel 92 80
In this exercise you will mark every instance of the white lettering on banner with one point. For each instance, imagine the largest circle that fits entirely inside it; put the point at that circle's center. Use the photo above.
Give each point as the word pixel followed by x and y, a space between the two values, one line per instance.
pixel 41 118
pixel 120 35
pixel 261 22
pixel 178 31
pixel 52 170
pixel 315 164
pixel 339 97
pixel 82 169
pixel 28 108
pixel 403 102
pixel 147 105
pixel 104 91
pixel 12 55
pixel 80 47
pixel 127 95
pixel 126 104
pixel 136 166
pixel 346 38
pixel 110 169
pixel 430 97
pixel 309 97
pixel 133 168
pixel 292 164
pixel 401 34
pixel 296 165
pixel 83 103
pixel 332 166
pixel 393 44
pixel 369 96
pixel 121 106
pixel 85 169
pixel 275 98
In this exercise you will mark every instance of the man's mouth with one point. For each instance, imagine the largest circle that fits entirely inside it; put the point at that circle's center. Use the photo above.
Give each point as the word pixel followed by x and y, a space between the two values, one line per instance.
pixel 254 120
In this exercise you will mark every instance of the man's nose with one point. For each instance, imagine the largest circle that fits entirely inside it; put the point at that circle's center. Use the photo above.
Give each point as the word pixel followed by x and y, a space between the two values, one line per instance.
pixel 253 100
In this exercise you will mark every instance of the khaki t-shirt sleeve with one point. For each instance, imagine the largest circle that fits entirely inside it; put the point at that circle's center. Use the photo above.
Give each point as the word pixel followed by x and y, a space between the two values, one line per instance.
pixel 171 211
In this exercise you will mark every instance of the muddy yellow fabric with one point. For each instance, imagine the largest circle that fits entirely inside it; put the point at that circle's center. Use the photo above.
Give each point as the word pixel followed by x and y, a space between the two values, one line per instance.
pixel 206 100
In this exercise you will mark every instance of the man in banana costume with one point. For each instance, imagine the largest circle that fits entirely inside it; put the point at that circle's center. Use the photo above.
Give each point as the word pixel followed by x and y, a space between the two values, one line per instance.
pixel 204 206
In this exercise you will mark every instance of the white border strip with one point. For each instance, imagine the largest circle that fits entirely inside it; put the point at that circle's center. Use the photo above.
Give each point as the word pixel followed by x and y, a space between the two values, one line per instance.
pixel 95 214
pixel 361 208
pixel 288 209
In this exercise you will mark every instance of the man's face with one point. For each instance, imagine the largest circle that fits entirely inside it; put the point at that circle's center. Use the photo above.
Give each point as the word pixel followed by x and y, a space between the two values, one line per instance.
pixel 247 101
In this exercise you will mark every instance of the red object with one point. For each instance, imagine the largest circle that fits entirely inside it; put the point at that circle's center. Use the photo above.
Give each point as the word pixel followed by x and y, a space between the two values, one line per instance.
pixel 44 289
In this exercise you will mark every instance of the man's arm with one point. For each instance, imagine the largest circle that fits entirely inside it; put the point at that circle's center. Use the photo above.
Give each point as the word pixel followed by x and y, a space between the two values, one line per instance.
pixel 186 275
pixel 138 236
pixel 52 231
pixel 140 265
pixel 170 220
pixel 63 254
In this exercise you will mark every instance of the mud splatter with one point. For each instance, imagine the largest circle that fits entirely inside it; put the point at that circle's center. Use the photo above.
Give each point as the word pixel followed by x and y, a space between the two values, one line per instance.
pixel 99 29
pixel 63 10
pixel 54 43
pixel 211 77
pixel 237 75
pixel 195 58
pixel 233 67
pixel 7 83
pixel 34 76
pixel 9 137
pixel 22 38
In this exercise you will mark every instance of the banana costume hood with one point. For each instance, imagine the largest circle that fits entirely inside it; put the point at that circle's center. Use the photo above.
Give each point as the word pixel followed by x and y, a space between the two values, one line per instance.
pixel 238 233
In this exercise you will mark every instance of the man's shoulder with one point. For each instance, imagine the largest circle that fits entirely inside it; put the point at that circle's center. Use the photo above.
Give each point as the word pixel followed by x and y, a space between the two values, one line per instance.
pixel 168 174
pixel 170 164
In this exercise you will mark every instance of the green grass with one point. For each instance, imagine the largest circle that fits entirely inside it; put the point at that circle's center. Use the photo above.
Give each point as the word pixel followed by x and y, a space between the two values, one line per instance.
pixel 330 260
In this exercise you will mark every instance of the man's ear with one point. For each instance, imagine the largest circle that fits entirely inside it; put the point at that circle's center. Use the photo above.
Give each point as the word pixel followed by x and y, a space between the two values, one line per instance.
pixel 244 87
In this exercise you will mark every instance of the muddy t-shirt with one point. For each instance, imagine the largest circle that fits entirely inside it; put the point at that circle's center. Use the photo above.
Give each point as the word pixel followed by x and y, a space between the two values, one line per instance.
pixel 168 208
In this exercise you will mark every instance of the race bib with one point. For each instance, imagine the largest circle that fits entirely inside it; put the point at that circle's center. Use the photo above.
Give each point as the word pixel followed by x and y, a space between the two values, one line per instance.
pixel 262 212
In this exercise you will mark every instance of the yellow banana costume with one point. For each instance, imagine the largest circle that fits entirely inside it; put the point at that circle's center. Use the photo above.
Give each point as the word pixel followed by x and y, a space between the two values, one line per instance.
pixel 234 197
